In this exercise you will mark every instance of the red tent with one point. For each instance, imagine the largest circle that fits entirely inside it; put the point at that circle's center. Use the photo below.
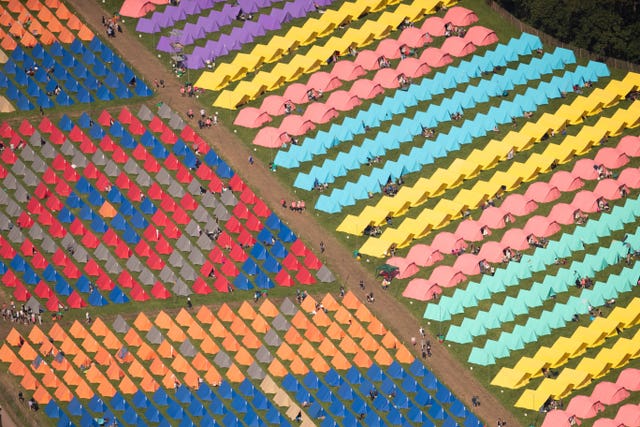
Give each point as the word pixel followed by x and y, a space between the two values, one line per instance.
pixel 446 242
pixel 611 158
pixel 586 201
pixel 45 125
pixel 270 137
pixel 541 226
pixel 274 105
pixel 566 181
pixel 608 188
pixel 585 169
pixel 424 255
pixel 435 57
pixel 304 277
pixel 53 303
pixel 413 67
pixel 138 294
pixel 460 16
pixel 470 230
pixel 125 116
pixel 414 37
pixel 311 261
pixel 201 287
pixel 297 93
pixel 492 251
pixel 251 117
pixel 434 26
pixel 421 290
pixel 43 291
pixel 75 301
pixel 26 128
pixel 389 48
pixel 222 284
pixel 458 46
pixel 290 262
pixel 468 264
pixel 481 36
pixel 366 89
pixel 347 70
pixel 261 209
pixel 298 248
pixel 446 276
pixel 562 213
pixel 105 118
pixel 294 124
pixel 237 184
pixel 630 145
pixel 323 81
pixel 630 177
pixel 584 407
pixel 542 192
pixel 519 205
pixel 320 113
pixel 368 60
pixel 342 100
pixel 515 238
pixel 159 291
pixel 387 78
pixel 284 279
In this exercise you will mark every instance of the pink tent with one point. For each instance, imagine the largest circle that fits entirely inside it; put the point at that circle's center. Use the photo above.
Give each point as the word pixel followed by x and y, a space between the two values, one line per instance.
pixel 294 124
pixel 446 276
pixel 414 37
pixel 251 117
pixel 608 188
pixel 320 113
pixel 274 105
pixel 481 36
pixel 366 89
pixel 470 230
pixel 585 169
pixel 492 251
pixel 421 290
pixel 629 415
pixel 630 177
pixel 434 26
pixel 630 145
pixel 389 48
pixel 423 255
pixel 542 192
pixel 270 137
pixel 519 205
pixel 407 267
pixel 541 226
pixel 347 70
pixel 387 78
pixel 609 393
pixel 606 422
pixel 468 264
pixel 460 16
pixel 296 92
pixel 515 238
pixel 629 379
pixel 342 100
pixel 586 201
pixel 584 407
pixel 413 67
pixel 139 8
pixel 566 181
pixel 611 158
pixel 321 80
pixel 368 59
pixel 457 46
pixel 495 218
pixel 557 418
pixel 435 57
pixel 446 242
pixel 562 213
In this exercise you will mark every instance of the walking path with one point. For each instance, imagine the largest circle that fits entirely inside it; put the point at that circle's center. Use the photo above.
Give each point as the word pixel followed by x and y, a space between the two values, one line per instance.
pixel 338 258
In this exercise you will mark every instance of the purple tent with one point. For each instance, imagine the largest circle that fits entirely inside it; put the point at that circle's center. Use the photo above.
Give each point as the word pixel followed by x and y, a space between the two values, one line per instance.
pixel 194 31
pixel 194 61
pixel 275 19
pixel 229 42
pixel 190 7
pixel 146 25
pixel 254 29
pixel 164 45
pixel 248 6
pixel 208 24
pixel 299 8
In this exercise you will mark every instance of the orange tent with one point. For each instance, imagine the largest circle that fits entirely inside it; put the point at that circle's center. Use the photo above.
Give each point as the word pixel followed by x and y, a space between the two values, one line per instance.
pixel 148 384
pixel 277 369
pixel 74 23
pixel 330 303
pixel 176 334
pixel 300 321
pixel 46 37
pixel 15 6
pixel 208 346
pixel 321 319
pixel 205 315
pixel 69 347
pixel 200 363
pixel 184 318
pixel 268 309
pixel 363 314
pixel 343 316
pixel 308 304
pixel 45 347
pixel 98 328
pixel 298 367
pixel 356 330
pixel 84 391
pixel 55 26
pixel 368 343
pixel 53 4
pixel 80 359
pixel 65 36
pixel 164 321
pixel 63 394
pixel 37 337
pixel 234 375
pixel 362 360
pixel 191 378
pixel 114 373
pixel 285 352
pixel 319 364
pixel 136 370
pixel 196 332
pixel 307 351
pixel 351 301
pixel 18 369
pixel 17 30
pixel 6 20
pixel 41 395
pixel 142 323
pixel 85 33
pixel 8 43
pixel 169 381
pixel 335 332
pixel 165 350
pixel 226 314
pixel 107 210
pixel 213 377
pixel 383 358
pixel 103 357
pixel 106 389
pixel 63 13
pixel 327 348
pixel 49 380
pixel 260 325
pixel 313 334
pixel 132 338
pixel 243 357
pixel 218 330
pixel 146 353
pixel 404 355
pixel 348 345
pixel 238 327
pixel 376 327
pixel 62 365
pixel 180 364
pixel 158 368
pixel 34 5
pixel 90 345
pixel 390 341
pixel 246 311
pixel 28 40
pixel 78 331
pixel 293 336
pixel 231 344
pixel 27 352
pixel 29 382
pixel 93 375
pixel 251 341
pixel 14 338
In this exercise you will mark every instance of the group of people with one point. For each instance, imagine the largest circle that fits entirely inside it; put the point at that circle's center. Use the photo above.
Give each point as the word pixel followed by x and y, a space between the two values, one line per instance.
pixel 190 90
pixel 295 206
pixel 535 242
pixel 452 30
pixel 111 26
pixel 24 314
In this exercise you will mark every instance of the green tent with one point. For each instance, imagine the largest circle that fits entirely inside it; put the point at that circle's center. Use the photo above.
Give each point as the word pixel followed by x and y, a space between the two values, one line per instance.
pixel 527 335
pixel 502 312
pixel 538 326
pixel 481 357
pixel 511 341
pixel 625 215
pixel 437 312
pixel 459 335
pixel 517 306
pixel 489 320
pixel 572 241
pixel 554 320
pixel 481 292
pixel 476 329
pixel 497 349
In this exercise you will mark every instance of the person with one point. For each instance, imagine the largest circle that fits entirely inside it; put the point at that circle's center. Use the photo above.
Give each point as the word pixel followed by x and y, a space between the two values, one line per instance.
pixel 20 397
pixel 475 401
pixel 189 304
pixel 421 331
pixel 87 317
pixel 190 113
pixel 299 417
pixel 251 160
pixel 382 62
pixel 429 348
pixel 322 247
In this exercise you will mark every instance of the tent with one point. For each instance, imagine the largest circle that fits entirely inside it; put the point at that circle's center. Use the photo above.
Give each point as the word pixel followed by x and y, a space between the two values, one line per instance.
pixel 542 192
pixel 388 78
pixel 630 177
pixel 446 242
pixel 629 379
pixel 518 205
pixel 470 230
pixel 557 418
pixel 495 217
pixel 347 70
pixel 630 145
pixel 274 105
pixel 368 60
pixel 628 415
pixel 366 89
pixel 270 137
pixel 296 125
pixel 413 68
pixel 434 26
pixel 562 213
pixel 492 251
pixel 481 36
pixel 251 117
pixel 323 81
pixel 515 238
pixel 458 46
pixel 139 8
pixel 612 158
pixel 609 393
pixel 435 57
pixel 468 264
pixel 423 255
pixel 421 290
pixel 389 48
pixel 414 37
pixel 320 113
pixel 585 169
pixel 566 181
pixel 541 226
pixel 586 201
pixel 609 189
pixel 584 407
pixel 460 16
pixel 297 93
pixel 407 268
pixel 446 276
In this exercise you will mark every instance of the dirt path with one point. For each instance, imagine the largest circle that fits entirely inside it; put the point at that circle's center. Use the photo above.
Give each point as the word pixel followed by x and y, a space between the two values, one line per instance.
pixel 456 376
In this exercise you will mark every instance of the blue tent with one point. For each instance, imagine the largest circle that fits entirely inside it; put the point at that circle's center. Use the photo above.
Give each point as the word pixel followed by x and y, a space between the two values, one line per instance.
pixel 130 416
pixel 247 388
pixel 103 94
pixel 437 412
pixel 239 404
pixel 204 392
pixel 122 91
pixel 263 281
pixel 142 89
pixel 18 263
pixel 96 299
pixel 118 222
pixel 130 236
pixel 117 402
pixel 196 408
pixel 95 198
pixel 96 404
pixel 260 402
pixel 80 71
pixel 74 407
pixel 96 45
pixel 159 151
pixel 65 123
pixel 345 392
pixel 250 267
pixel 96 131
pixel 217 407
pixel 183 394
pixel 175 411
pixel 211 158
pixel 286 235
pixel 52 409
pixel 278 250
pixel 223 170
pixel 139 221
pixel 160 397
pixel 273 222
pixel 62 287
pixel 117 296
pixel 241 282
pixel 272 265
pixel 190 160
pixel 24 104
pixel 152 414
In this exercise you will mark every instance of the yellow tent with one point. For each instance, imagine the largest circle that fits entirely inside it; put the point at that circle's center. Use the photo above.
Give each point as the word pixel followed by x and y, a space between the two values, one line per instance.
pixel 595 367
pixel 288 71
pixel 376 247
pixel 401 236
pixel 531 400
pixel 267 53
pixel 361 36
pixel 471 198
pixel 231 99
pixel 211 80
pixel 324 26
pixel 490 156
pixel 613 125
pixel 248 61
pixel 616 357
pixel 573 115
pixel 378 29
pixel 573 346
pixel 578 379
pixel 303 36
pixel 305 63
pixel 531 366
pixel 551 357
pixel 511 378
pixel 353 225
pixel 510 180
pixel 450 208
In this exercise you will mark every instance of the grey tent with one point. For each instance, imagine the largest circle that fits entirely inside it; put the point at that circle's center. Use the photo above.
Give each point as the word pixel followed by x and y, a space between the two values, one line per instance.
pixel 10 181
pixel 222 213
pixel 183 244
pixel 143 179
pixel 16 236
pixel 175 259
pixel 131 167
pixel 325 275
pixel 33 304
pixel 68 241
pixel 31 179
pixel 192 229
pixel 48 245
pixel 255 372
pixel 187 349
pixel 38 165
pixel 165 111
pixel 154 336
pixel 181 288
pixel 194 187
pixel 145 114
pixel 99 158
pixel 176 122
pixel 21 195
pixel 200 214
pixel 67 148
pixel 263 355
pixel 146 277
pixel 196 257
pixel 205 243
pixel 222 360
pixel 228 198
pixel 5 225
pixel 101 252
pixel 80 255
pixel 79 160
pixel 27 154
pixel 35 232
pixel 288 308
pixel 120 325
pixel 111 169
pixel 163 177
pixel 176 190
pixel 272 339
pixel 188 273
pixel 280 323
pixel 112 266
pixel 4 197
pixel 13 209
pixel 35 139
pixel 48 152
pixel 209 200
pixel 134 264
pixel 167 275
pixel 18 168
